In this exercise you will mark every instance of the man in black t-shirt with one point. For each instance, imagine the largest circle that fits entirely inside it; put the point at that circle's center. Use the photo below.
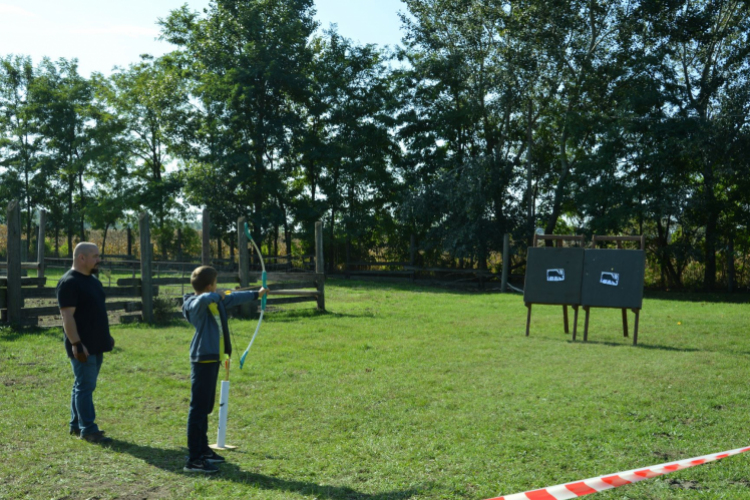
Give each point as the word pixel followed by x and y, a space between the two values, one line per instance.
pixel 80 297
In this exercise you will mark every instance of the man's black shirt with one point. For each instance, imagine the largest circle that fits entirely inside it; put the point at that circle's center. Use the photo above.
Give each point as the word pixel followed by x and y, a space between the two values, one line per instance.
pixel 86 294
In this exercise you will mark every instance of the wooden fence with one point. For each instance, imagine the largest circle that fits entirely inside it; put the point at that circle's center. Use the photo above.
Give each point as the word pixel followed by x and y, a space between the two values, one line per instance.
pixel 135 296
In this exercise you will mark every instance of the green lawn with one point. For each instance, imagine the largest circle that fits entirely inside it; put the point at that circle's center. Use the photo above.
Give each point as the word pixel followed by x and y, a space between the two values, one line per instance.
pixel 397 392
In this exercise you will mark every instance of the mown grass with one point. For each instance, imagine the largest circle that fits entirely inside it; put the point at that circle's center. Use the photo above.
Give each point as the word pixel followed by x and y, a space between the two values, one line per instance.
pixel 397 393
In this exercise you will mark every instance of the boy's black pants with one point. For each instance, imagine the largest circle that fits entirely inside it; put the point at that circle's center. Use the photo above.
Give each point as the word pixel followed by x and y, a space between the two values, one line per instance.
pixel 203 378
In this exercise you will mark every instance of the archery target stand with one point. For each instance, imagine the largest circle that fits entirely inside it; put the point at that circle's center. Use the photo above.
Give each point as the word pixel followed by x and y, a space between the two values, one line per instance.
pixel 553 277
pixel 613 278
pixel 586 277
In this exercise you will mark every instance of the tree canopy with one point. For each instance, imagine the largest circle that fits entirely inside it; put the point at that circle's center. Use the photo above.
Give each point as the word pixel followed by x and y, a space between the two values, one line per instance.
pixel 492 117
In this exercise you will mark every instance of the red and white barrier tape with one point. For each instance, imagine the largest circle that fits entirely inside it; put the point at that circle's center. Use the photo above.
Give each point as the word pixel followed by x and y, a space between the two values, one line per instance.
pixel 601 483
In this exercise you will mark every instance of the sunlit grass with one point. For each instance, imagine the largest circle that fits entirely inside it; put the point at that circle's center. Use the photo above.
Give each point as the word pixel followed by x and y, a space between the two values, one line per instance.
pixel 397 392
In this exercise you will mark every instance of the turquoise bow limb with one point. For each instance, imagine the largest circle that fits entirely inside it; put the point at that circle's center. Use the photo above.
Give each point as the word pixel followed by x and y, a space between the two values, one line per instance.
pixel 262 300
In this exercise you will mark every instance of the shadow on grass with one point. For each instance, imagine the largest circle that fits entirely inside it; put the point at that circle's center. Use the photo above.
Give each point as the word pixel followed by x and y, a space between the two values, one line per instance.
pixel 645 346
pixel 661 347
pixel 297 314
pixel 171 460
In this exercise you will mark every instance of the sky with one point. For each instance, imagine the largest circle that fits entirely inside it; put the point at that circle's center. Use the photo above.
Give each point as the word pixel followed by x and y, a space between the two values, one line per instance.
pixel 103 34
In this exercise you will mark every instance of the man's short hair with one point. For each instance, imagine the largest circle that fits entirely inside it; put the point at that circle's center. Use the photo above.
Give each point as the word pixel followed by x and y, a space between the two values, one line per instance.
pixel 202 278
pixel 84 247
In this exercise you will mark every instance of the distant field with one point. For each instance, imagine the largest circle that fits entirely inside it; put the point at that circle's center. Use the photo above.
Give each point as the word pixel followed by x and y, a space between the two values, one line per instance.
pixel 398 392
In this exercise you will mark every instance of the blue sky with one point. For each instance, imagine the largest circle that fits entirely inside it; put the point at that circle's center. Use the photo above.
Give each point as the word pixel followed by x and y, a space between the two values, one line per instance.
pixel 103 34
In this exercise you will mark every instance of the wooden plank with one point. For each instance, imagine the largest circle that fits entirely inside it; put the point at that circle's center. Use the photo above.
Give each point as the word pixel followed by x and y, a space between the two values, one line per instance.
pixel 129 282
pixel 292 286
pixel 25 282
pixel 232 279
pixel 40 311
pixel 154 281
pixel 55 311
pixel 297 293
pixel 255 305
pixel 136 291
pixel 109 291
pixel 291 300
pixel 227 278
pixel 254 277
pixel 24 265
pixel 33 321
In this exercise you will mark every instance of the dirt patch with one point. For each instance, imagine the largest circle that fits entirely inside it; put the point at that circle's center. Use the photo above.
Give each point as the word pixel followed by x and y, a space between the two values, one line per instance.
pixel 679 484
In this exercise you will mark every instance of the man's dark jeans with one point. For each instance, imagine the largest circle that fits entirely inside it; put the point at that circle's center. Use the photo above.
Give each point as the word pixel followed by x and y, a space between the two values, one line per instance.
pixel 203 377
pixel 82 412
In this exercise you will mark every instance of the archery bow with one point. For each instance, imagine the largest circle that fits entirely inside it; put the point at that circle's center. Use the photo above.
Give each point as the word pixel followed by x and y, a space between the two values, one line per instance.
pixel 262 300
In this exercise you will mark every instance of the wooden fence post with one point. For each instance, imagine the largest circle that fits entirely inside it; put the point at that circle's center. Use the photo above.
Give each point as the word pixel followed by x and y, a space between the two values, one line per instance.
pixel 147 295
pixel 244 264
pixel 506 263
pixel 130 242
pixel 206 248
pixel 40 248
pixel 14 294
pixel 319 266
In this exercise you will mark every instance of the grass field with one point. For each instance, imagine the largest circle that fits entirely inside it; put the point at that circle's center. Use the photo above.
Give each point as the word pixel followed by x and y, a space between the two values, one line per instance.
pixel 397 392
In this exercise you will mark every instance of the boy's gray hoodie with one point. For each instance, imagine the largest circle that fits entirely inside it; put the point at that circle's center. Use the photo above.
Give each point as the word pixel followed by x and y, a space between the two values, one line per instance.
pixel 205 344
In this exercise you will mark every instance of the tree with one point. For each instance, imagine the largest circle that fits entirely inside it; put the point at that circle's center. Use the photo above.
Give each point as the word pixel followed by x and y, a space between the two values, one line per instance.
pixel 249 62
pixel 64 109
pixel 19 138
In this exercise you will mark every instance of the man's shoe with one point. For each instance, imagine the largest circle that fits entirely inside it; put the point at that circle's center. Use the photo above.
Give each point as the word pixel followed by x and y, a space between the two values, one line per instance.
pixel 200 465
pixel 97 438
pixel 213 457
pixel 75 432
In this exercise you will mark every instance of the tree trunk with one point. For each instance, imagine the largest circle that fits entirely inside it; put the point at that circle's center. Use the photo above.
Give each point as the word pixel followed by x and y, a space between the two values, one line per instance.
pixel 709 279
pixel 730 262
pixel 69 228
pixel 83 205
pixel 104 240
pixel 673 277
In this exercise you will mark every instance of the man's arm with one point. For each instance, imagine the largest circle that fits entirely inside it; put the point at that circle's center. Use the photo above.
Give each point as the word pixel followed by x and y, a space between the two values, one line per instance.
pixel 71 331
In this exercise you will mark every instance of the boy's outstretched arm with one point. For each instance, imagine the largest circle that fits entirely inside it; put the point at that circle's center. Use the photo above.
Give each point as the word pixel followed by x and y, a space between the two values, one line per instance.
pixel 239 298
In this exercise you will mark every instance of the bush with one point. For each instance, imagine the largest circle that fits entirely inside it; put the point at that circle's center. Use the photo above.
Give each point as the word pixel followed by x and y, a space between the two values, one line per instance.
pixel 164 308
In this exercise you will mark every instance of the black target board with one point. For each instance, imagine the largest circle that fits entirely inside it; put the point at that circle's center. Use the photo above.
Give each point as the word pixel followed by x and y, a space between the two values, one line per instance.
pixel 553 276
pixel 613 278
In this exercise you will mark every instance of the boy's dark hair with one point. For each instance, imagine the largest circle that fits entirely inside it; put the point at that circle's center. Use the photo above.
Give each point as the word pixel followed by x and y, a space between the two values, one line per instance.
pixel 202 278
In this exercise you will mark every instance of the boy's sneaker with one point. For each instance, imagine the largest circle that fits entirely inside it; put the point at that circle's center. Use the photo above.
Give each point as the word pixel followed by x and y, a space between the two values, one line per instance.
pixel 213 457
pixel 200 465
pixel 75 432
